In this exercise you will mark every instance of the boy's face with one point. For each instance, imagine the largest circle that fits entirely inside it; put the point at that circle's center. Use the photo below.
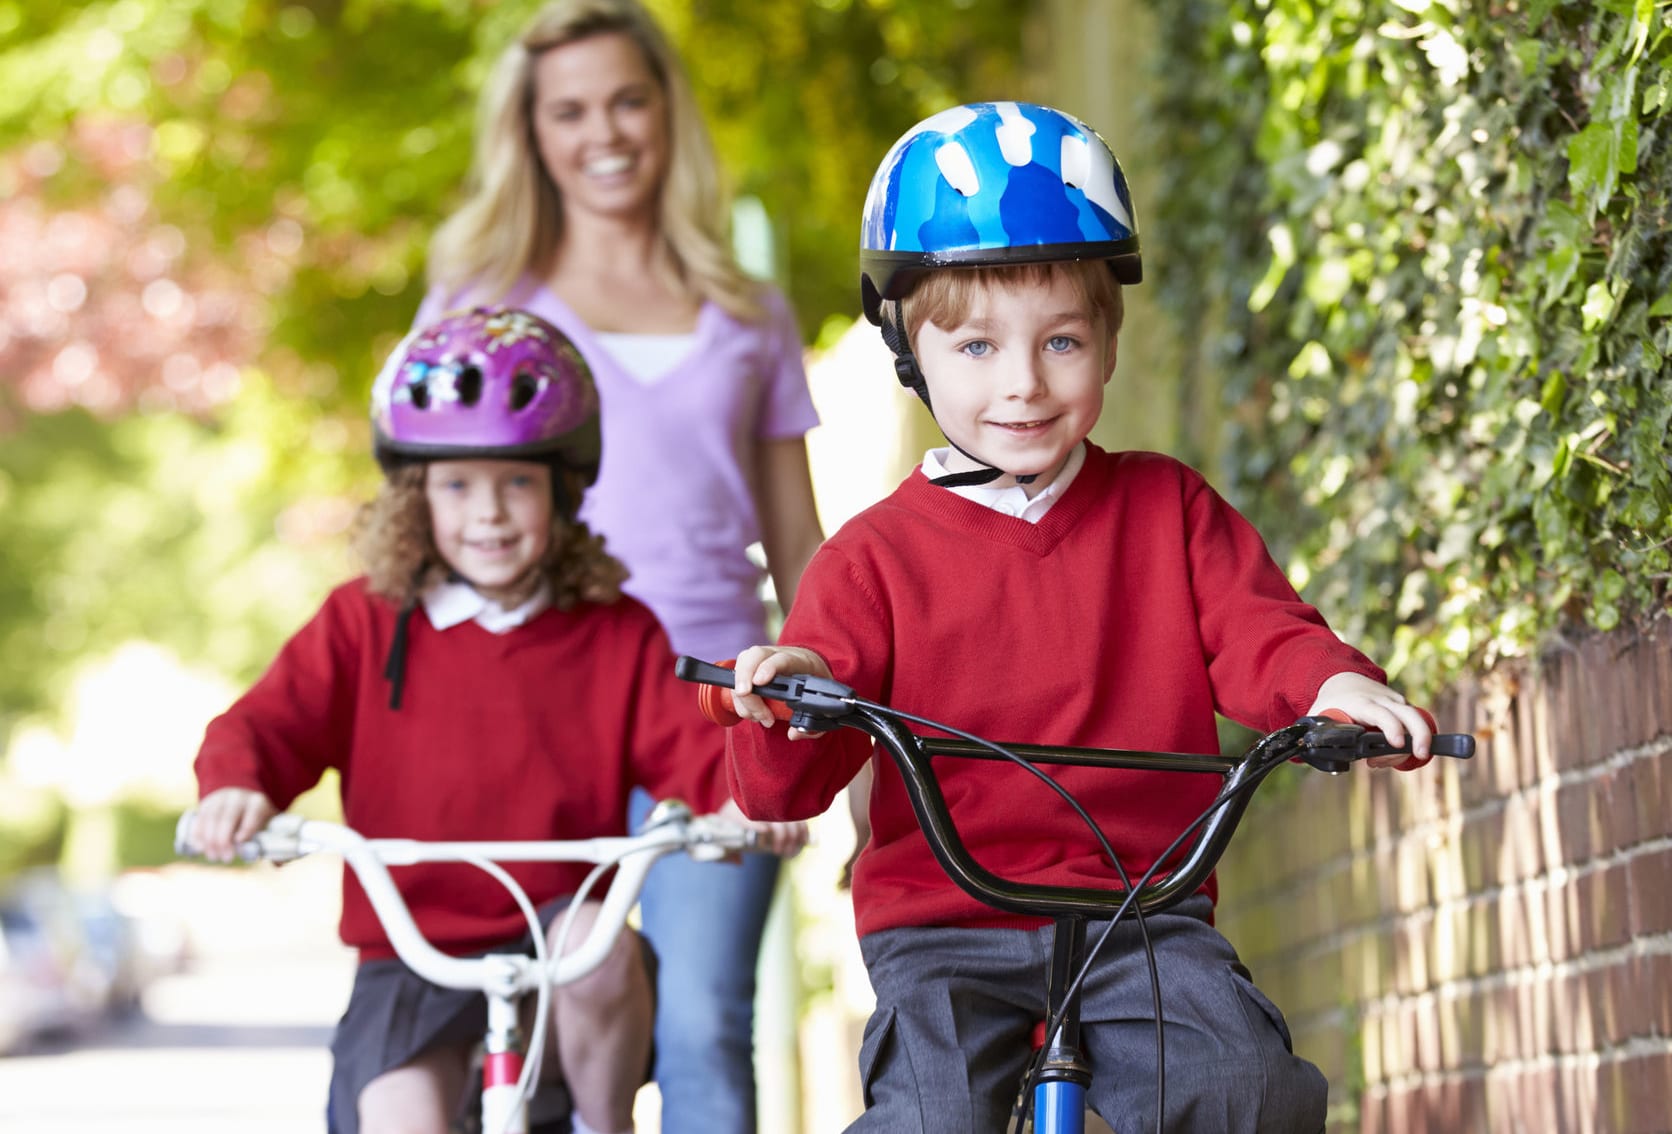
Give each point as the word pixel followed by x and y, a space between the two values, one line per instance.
pixel 492 520
pixel 1020 382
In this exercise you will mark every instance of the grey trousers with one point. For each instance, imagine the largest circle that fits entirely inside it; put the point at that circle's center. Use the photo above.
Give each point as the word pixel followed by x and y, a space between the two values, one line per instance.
pixel 945 1051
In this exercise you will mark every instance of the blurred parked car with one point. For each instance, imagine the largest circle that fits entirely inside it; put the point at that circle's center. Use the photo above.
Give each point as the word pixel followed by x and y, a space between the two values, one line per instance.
pixel 70 959
pixel 44 987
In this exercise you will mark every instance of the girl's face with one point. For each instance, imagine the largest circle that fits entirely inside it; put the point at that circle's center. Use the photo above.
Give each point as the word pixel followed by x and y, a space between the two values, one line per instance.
pixel 492 521
pixel 601 125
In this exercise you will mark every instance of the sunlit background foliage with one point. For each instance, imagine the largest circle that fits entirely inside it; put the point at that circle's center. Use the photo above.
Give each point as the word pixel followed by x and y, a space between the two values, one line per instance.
pixel 1413 255
pixel 1425 249
pixel 213 216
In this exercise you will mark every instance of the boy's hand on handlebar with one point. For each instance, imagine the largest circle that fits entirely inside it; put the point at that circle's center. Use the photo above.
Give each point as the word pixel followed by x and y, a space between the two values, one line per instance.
pixel 1374 705
pixel 760 664
pixel 228 817
pixel 782 839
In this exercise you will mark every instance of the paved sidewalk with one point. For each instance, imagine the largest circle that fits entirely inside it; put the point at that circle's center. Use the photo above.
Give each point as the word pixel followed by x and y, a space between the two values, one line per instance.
pixel 235 1042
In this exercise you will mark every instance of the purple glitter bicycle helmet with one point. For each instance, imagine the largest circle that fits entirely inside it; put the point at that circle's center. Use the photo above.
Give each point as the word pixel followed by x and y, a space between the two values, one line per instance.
pixel 493 382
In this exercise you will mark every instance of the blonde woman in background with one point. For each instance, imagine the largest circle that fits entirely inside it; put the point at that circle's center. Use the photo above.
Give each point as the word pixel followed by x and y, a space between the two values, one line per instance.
pixel 594 202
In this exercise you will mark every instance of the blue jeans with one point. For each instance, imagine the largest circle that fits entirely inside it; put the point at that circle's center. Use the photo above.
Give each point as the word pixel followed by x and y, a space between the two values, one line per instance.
pixel 705 921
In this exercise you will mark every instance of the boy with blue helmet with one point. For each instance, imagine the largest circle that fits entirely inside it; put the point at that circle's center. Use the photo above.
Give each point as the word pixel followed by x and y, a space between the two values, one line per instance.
pixel 1027 585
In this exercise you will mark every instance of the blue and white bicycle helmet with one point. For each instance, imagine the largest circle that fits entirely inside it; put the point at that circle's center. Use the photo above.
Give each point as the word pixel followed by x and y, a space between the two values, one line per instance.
pixel 992 183
pixel 989 184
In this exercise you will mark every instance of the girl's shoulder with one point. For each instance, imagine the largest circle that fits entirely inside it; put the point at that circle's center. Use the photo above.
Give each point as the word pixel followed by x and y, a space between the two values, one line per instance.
pixel 625 616
pixel 354 602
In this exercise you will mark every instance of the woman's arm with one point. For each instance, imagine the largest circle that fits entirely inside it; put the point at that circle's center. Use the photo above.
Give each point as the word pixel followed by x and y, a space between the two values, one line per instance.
pixel 790 530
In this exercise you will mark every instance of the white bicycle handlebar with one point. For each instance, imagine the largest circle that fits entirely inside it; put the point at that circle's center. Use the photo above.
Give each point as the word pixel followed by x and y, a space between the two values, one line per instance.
pixel 671 827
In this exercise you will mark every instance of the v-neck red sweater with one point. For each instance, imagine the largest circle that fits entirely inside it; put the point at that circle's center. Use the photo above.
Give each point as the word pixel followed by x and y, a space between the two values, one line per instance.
pixel 537 733
pixel 1136 607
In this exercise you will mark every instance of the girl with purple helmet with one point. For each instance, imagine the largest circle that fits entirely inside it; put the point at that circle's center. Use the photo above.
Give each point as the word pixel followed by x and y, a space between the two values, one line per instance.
pixel 485 678
pixel 594 201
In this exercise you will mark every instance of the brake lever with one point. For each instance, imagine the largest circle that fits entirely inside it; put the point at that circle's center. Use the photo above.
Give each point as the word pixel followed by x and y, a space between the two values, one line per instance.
pixel 813 701
pixel 1331 745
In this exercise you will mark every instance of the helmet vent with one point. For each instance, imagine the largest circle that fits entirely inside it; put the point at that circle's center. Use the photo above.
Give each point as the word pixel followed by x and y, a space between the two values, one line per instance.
pixel 469 385
pixel 523 389
pixel 420 393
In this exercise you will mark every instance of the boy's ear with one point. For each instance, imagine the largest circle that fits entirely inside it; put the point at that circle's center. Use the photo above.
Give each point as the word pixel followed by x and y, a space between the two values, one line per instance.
pixel 1114 342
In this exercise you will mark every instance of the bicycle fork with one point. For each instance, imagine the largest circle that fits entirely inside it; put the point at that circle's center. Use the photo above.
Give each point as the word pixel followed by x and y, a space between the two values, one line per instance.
pixel 503 1109
pixel 1059 1094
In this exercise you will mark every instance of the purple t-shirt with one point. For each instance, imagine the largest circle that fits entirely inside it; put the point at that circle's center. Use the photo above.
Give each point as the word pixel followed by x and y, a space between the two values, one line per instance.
pixel 673 499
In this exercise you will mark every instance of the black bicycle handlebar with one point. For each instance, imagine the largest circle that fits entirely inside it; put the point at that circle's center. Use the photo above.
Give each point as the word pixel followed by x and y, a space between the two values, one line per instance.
pixel 821 703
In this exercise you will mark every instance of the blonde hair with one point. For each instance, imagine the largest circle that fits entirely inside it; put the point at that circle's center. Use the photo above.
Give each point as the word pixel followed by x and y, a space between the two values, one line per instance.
pixel 513 219
pixel 946 296
pixel 396 546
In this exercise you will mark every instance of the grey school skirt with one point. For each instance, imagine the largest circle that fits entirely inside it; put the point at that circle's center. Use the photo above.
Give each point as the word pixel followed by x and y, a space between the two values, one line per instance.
pixel 394 1015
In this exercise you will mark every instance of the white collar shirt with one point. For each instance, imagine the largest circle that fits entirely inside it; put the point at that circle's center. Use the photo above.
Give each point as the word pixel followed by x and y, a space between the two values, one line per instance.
pixel 1012 501
pixel 454 601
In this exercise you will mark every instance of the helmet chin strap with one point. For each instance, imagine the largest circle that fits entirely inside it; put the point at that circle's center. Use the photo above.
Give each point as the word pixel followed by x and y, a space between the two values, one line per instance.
pixel 911 377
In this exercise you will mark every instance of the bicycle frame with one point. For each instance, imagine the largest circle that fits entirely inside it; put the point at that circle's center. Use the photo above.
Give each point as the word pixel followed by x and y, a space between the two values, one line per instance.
pixel 502 978
pixel 1328 743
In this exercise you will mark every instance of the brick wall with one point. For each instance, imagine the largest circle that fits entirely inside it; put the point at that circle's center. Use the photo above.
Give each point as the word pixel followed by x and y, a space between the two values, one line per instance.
pixel 1483 946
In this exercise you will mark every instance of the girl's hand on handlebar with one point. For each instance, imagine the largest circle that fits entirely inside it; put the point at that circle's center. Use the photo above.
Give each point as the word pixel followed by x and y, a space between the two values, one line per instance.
pixel 228 817
pixel 760 664
pixel 1374 705
pixel 782 839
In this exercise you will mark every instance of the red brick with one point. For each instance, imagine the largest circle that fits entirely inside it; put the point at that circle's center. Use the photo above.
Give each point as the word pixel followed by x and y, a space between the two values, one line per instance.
pixel 1600 686
pixel 1560 682
pixel 1610 1007
pixel 1536 725
pixel 1646 778
pixel 1649 1093
pixel 1477 844
pixel 1614 813
pixel 1649 876
pixel 1613 1096
pixel 1373 1116
pixel 1570 1008
pixel 1400 1109
pixel 1521 851
pixel 1628 672
pixel 1609 907
pixel 1659 675
pixel 1654 975
pixel 1575 823
pixel 1572 1101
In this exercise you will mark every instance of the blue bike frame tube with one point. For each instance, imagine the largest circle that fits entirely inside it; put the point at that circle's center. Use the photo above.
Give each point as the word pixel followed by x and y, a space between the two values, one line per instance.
pixel 1059 1107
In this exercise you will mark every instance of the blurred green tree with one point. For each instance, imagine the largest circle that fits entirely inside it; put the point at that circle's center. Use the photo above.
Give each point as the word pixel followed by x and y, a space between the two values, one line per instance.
pixel 213 216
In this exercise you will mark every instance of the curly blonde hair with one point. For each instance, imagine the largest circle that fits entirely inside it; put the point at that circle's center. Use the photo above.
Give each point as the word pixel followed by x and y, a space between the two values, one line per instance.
pixel 512 220
pixel 396 546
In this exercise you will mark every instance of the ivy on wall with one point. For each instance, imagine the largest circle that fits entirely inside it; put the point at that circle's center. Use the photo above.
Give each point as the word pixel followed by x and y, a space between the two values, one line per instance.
pixel 1422 254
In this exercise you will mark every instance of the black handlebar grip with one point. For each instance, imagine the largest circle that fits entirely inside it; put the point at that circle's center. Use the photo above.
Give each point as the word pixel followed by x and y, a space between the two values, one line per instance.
pixel 1458 744
pixel 688 668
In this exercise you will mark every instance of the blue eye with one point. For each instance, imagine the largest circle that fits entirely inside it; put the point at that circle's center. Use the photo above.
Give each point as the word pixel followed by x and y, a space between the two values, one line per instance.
pixel 980 348
pixel 1061 343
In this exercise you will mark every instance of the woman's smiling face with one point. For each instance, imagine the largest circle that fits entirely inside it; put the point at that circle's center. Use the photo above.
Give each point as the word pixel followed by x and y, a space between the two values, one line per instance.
pixel 601 125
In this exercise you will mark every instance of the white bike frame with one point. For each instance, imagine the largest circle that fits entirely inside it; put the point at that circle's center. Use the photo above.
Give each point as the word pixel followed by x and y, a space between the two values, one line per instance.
pixel 503 978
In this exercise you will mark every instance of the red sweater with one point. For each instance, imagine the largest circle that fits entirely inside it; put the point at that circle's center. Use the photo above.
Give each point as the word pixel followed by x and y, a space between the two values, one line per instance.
pixel 538 733
pixel 1139 604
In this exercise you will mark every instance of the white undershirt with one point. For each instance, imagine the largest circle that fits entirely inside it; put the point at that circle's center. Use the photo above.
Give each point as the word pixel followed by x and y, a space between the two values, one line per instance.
pixel 648 358
pixel 454 601
pixel 1012 501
